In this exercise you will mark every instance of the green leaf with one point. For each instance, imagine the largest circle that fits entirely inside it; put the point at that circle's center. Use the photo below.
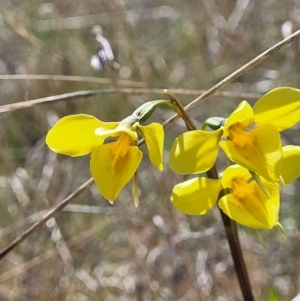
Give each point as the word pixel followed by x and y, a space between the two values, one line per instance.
pixel 273 293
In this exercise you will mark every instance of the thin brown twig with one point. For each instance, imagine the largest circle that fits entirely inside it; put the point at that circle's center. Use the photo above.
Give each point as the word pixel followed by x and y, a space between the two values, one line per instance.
pixel 45 218
pixel 237 256
pixel 74 78
pixel 166 124
pixel 186 118
pixel 69 208
pixel 79 94
pixel 235 75
pixel 54 251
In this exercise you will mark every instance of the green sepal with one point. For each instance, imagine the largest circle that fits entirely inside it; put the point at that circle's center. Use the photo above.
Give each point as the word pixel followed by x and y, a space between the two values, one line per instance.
pixel 135 190
pixel 281 230
pixel 146 110
pixel 258 181
pixel 260 239
pixel 214 123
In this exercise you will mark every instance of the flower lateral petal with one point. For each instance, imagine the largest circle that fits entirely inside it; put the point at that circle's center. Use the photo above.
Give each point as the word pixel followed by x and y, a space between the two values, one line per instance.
pixel 280 106
pixel 154 138
pixel 194 152
pixel 109 180
pixel 263 155
pixel 196 196
pixel 74 135
pixel 242 115
pixel 290 169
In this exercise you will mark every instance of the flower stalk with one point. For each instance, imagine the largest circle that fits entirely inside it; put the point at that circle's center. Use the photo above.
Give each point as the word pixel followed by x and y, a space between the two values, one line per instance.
pixel 229 225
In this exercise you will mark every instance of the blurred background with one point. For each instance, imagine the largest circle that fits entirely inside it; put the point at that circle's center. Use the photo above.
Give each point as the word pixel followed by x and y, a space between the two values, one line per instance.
pixel 96 251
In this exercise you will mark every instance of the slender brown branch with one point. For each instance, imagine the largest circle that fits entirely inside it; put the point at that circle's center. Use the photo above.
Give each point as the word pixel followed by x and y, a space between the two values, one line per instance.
pixel 79 94
pixel 58 208
pixel 65 96
pixel 186 118
pixel 73 78
pixel 237 256
pixel 84 235
pixel 235 75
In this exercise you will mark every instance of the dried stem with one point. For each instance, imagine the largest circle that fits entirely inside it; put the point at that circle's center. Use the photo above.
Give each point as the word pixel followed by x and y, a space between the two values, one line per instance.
pixel 235 75
pixel 44 219
pixel 79 94
pixel 237 256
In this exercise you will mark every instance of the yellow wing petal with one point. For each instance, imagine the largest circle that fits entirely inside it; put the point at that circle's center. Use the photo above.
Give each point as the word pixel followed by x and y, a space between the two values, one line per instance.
pixel 290 169
pixel 263 156
pixel 196 196
pixel 74 135
pixel 154 138
pixel 280 106
pixel 243 115
pixel 194 151
pixel 109 182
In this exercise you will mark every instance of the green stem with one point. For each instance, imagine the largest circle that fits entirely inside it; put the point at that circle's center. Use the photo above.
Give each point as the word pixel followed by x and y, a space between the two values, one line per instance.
pixel 229 224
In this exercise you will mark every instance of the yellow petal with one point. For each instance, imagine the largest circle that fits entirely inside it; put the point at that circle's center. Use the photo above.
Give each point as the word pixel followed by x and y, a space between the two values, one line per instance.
pixel 154 138
pixel 109 180
pixel 243 115
pixel 280 106
pixel 194 151
pixel 196 196
pixel 247 204
pixel 262 156
pixel 74 135
pixel 290 169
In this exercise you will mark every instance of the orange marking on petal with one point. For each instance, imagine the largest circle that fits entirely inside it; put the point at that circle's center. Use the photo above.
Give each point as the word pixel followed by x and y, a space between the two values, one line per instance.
pixel 240 137
pixel 241 189
pixel 120 149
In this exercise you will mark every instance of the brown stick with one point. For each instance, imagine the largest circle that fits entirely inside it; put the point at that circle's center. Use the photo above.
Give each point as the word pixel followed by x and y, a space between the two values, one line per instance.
pixel 44 219
pixel 80 94
pixel 235 75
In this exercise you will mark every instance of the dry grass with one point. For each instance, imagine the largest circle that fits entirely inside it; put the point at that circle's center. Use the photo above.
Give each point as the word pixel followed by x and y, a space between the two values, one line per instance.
pixel 95 251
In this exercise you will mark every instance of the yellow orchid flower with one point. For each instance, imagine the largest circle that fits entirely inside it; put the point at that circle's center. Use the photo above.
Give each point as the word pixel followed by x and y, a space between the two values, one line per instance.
pixel 249 137
pixel 112 164
pixel 245 203
pixel 256 148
